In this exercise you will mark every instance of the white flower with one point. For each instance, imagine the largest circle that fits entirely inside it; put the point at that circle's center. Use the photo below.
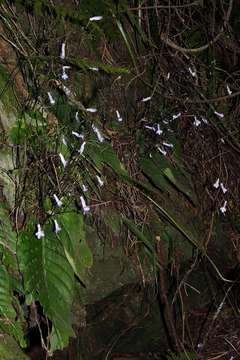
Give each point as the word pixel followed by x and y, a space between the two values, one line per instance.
pixel 149 127
pixel 40 233
pixel 76 117
pixel 80 136
pixel 193 73
pixel 62 55
pixel 216 184
pixel 58 201
pixel 91 110
pixel 94 68
pixel 64 162
pixel 229 90
pixel 162 151
pixel 223 209
pixel 51 99
pixel 165 122
pixel 66 90
pixel 221 115
pixel 146 99
pixel 176 116
pixel 196 122
pixel 204 120
pixel 85 188
pixel 100 182
pixel 96 18
pixel 159 131
pixel 64 74
pixel 81 150
pixel 84 206
pixel 57 228
pixel 97 132
pixel 64 141
pixel 224 190
pixel 118 116
pixel 168 75
pixel 167 144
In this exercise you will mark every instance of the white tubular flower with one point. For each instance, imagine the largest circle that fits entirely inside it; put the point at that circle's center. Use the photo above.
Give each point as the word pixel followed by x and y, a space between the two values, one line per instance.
pixel 96 18
pixel 85 188
pixel 57 228
pixel 165 122
pixel 168 75
pixel 167 144
pixel 146 99
pixel 159 131
pixel 51 99
pixel 229 90
pixel 94 68
pixel 64 74
pixel 223 209
pixel 204 120
pixel 85 208
pixel 118 116
pixel 193 73
pixel 91 110
pixel 64 162
pixel 80 136
pixel 81 150
pixel 64 141
pixel 196 122
pixel 40 233
pixel 97 132
pixel 58 201
pixel 100 182
pixel 77 117
pixel 176 116
pixel 224 190
pixel 66 90
pixel 221 115
pixel 162 151
pixel 149 127
pixel 62 55
pixel 216 184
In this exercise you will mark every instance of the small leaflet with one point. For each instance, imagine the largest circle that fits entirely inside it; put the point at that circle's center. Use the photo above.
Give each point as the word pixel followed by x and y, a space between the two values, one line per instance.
pixel 223 208
pixel 96 18
pixel 64 162
pixel 51 99
pixel 57 228
pixel 221 115
pixel 85 208
pixel 62 55
pixel 216 184
pixel 40 233
pixel 100 181
pixel 58 201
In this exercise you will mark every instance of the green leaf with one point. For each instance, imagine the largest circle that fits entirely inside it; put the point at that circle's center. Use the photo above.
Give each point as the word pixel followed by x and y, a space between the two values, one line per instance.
pixel 49 278
pixel 8 239
pixel 74 242
pixel 8 322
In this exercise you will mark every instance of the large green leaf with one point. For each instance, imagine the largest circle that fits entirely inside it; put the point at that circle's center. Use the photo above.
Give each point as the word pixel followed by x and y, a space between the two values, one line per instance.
pixel 8 322
pixel 74 243
pixel 49 278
